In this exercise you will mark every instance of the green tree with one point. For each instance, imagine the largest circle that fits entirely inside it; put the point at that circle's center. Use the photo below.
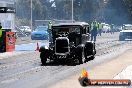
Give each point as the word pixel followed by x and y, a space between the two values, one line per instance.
pixel 116 12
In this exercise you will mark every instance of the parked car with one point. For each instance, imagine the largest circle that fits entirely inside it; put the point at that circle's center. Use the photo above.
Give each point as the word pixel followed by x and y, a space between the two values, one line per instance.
pixel 70 44
pixel 126 33
pixel 25 29
pixel 40 33
pixel 118 28
pixel 106 28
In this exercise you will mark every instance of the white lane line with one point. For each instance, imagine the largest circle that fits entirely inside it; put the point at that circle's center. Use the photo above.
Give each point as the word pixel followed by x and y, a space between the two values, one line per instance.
pixel 30 46
pixel 9 81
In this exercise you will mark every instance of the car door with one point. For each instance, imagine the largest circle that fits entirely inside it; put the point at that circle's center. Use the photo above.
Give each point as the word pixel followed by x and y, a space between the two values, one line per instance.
pixel 85 34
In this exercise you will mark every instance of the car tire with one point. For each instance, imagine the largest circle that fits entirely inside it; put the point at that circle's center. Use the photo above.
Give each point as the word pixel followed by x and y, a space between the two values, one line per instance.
pixel 91 58
pixel 43 58
pixel 89 51
pixel 82 58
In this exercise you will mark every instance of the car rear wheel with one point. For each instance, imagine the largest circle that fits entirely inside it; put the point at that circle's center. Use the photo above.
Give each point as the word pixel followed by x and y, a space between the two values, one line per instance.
pixel 91 58
pixel 89 51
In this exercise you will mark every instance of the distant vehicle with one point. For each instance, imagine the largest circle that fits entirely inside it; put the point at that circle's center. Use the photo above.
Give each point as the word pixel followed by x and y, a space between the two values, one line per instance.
pixel 126 33
pixel 40 33
pixel 118 28
pixel 25 29
pixel 106 28
pixel 70 44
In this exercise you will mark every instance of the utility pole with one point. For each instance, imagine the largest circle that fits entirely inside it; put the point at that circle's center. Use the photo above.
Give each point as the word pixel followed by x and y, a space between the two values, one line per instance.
pixel 31 16
pixel 72 11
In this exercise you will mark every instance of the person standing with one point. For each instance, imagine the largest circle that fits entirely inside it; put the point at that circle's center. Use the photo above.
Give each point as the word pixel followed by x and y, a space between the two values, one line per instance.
pixel 94 27
pixel 112 28
pixel 1 39
pixel 100 29
pixel 0 30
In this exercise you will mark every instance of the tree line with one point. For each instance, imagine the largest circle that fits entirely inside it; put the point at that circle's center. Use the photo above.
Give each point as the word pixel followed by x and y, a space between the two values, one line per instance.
pixel 109 11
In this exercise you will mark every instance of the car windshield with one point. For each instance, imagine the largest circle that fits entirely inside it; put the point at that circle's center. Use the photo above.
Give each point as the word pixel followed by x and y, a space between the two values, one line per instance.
pixel 22 27
pixel 43 28
pixel 128 27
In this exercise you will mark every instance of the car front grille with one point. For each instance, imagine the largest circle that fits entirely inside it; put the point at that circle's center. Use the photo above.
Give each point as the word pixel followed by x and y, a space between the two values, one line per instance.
pixel 62 45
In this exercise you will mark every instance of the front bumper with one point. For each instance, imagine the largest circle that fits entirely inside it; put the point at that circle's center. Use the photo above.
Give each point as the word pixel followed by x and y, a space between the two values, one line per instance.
pixel 40 38
pixel 62 56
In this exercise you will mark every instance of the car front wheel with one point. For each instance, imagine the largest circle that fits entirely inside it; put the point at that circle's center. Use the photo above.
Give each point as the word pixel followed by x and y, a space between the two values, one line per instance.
pixel 43 58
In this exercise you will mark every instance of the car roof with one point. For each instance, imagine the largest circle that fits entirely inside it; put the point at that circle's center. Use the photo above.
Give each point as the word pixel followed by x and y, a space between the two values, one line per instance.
pixel 42 26
pixel 127 24
pixel 126 31
pixel 71 24
pixel 24 26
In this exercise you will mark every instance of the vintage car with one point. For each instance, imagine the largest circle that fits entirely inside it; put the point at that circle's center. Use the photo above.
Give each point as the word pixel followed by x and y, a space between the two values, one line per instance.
pixel 40 33
pixel 70 44
pixel 126 33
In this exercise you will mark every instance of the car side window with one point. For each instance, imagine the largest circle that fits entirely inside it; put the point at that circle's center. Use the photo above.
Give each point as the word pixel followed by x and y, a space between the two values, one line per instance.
pixel 77 30
pixel 85 30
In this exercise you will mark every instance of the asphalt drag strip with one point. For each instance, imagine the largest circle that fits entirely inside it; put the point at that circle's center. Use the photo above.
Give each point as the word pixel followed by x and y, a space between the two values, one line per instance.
pixel 44 76
pixel 25 70
pixel 107 70
pixel 30 46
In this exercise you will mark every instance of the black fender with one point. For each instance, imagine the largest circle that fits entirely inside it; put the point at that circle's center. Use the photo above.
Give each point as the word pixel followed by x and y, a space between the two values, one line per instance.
pixel 89 48
pixel 44 54
pixel 43 49
pixel 46 51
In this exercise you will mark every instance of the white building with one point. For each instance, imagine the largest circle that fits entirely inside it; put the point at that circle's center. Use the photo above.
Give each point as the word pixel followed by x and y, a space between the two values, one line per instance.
pixel 7 14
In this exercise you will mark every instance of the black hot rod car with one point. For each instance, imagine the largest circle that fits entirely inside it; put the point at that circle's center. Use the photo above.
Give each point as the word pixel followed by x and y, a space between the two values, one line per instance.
pixel 70 43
